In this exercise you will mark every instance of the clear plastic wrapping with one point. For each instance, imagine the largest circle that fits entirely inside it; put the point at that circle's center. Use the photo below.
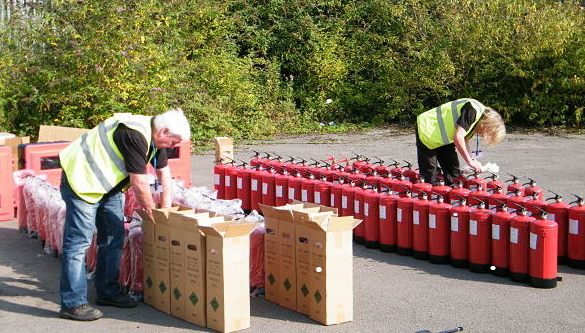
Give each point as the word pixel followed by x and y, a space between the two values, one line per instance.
pixel 19 178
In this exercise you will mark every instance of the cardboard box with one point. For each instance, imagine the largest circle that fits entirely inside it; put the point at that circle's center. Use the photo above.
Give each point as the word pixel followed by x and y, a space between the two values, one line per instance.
pixel 13 144
pixel 59 133
pixel 162 291
pixel 228 275
pixel 177 263
pixel 331 258
pixel 224 149
pixel 148 257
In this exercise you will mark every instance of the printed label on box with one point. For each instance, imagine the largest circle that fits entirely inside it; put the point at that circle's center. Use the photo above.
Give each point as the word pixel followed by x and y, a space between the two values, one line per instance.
pixel 416 217
pixel 454 223
pixel 254 184
pixel 533 239
pixel 432 221
pixel 278 191
pixel 382 212
pixel 495 232
pixel 574 227
pixel 473 227
pixel 514 235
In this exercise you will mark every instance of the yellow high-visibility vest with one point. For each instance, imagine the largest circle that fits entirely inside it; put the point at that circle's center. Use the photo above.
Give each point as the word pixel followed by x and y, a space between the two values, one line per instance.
pixel 93 164
pixel 436 127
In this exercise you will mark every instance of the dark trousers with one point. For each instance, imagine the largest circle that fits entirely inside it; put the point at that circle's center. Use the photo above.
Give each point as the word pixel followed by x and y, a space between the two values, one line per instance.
pixel 427 162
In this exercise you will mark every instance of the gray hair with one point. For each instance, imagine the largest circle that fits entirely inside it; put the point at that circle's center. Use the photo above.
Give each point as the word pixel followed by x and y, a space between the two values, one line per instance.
pixel 175 121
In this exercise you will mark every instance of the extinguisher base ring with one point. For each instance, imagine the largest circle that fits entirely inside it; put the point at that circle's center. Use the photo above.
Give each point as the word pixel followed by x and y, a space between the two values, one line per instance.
pixel 574 263
pixel 387 248
pixel 501 271
pixel 519 277
pixel 420 255
pixel 479 268
pixel 543 283
pixel 460 263
pixel 441 260
pixel 404 251
pixel 372 244
pixel 359 239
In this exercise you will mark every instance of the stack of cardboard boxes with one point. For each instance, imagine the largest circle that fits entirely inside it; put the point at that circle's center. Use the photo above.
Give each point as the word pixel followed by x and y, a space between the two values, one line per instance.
pixel 196 267
pixel 309 261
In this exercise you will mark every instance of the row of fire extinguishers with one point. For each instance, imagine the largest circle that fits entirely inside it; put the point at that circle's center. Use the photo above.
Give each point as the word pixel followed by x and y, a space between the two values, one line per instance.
pixel 508 229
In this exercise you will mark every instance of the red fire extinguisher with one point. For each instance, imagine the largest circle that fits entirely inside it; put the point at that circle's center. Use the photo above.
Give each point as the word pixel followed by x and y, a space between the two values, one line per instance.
pixel 439 235
pixel 219 178
pixel 497 196
pixel 381 170
pixel 404 224
pixel 308 188
pixel 371 218
pixel 480 239
pixel 558 211
pixel 460 234
pixel 359 198
pixel 420 227
pixel 458 191
pixel 576 238
pixel 501 239
pixel 256 159
pixel 231 189
pixel 281 187
pixel 519 239
pixel 515 199
pixel 409 173
pixel 358 177
pixel 442 189
pixel 475 179
pixel 422 186
pixel 515 186
pixel 243 186
pixel 347 196
pixel 322 191
pixel 387 217
pixel 401 186
pixel 268 188
pixel 477 196
pixel 396 171
pixel 295 181
pixel 543 252
pixel 373 179
pixel 494 183
pixel 336 190
pixel 366 166
pixel 534 204
pixel 290 165
pixel 533 189
pixel 256 187
pixel 328 172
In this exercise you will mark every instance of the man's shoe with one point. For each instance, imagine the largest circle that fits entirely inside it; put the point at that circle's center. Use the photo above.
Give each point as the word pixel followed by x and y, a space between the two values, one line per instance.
pixel 83 312
pixel 120 301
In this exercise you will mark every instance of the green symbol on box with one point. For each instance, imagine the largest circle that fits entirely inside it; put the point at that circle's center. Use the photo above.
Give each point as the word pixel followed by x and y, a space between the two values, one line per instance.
pixel 305 290
pixel 149 282
pixel 318 296
pixel 287 284
pixel 162 287
pixel 271 279
pixel 176 293
pixel 193 298
pixel 214 304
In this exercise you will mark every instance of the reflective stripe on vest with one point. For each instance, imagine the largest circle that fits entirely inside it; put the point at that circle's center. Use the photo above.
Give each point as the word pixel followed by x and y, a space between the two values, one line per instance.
pixel 103 166
pixel 436 127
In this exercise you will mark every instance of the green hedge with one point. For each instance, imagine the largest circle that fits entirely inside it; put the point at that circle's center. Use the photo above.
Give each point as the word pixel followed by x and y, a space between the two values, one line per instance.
pixel 258 67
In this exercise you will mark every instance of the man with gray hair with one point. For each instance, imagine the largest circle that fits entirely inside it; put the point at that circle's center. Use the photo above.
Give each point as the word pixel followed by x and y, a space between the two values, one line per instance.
pixel 97 167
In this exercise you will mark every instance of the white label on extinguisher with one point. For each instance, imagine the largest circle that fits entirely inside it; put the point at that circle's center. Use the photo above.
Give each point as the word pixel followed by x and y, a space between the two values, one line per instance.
pixel 264 188
pixel 356 206
pixel 216 179
pixel 318 198
pixel 278 191
pixel 573 227
pixel 344 202
pixel 495 232
pixel 291 193
pixel 366 209
pixel 514 235
pixel 382 212
pixel 416 217
pixel 332 200
pixel 399 215
pixel 254 184
pixel 551 217
pixel 240 182
pixel 533 239
pixel 432 221
pixel 228 181
pixel 304 195
pixel 473 227
pixel 454 224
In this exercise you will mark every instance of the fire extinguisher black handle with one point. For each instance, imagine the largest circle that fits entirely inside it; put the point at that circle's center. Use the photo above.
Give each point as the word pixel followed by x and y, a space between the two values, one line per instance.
pixel 579 200
pixel 557 197
pixel 514 178
pixel 408 164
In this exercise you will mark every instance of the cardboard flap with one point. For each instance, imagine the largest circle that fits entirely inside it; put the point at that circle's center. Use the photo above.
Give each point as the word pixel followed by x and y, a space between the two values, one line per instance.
pixel 240 229
pixel 161 215
pixel 59 133
pixel 342 223
pixel 228 229
pixel 281 212
pixel 176 219
pixel 145 216
pixel 320 208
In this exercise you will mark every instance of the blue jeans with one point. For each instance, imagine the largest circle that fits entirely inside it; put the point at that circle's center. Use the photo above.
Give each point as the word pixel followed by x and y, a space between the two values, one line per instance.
pixel 80 220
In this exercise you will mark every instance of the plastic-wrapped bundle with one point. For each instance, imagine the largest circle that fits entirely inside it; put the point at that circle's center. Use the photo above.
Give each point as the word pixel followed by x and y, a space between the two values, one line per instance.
pixel 29 192
pixel 91 256
pixel 50 206
pixel 125 266
pixel 131 203
pixel 40 197
pixel 57 223
pixel 20 177
pixel 136 264
pixel 256 250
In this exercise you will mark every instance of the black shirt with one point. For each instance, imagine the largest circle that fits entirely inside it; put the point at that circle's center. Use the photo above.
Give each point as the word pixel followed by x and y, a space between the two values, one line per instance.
pixel 135 150
pixel 467 116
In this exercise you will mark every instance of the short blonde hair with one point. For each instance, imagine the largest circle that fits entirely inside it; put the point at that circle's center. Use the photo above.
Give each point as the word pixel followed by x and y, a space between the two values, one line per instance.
pixel 491 127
